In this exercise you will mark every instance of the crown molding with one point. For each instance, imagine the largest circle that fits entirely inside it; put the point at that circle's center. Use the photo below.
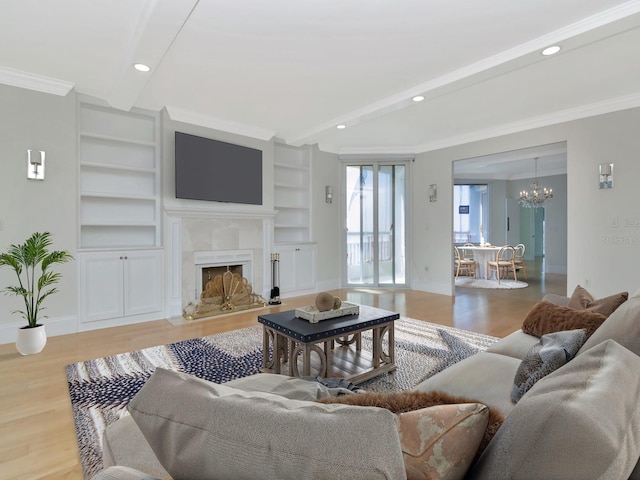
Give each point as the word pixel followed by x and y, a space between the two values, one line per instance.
pixel 186 116
pixel 31 81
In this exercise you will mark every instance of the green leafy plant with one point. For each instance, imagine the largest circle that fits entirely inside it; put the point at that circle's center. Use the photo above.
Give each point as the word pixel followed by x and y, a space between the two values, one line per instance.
pixel 28 260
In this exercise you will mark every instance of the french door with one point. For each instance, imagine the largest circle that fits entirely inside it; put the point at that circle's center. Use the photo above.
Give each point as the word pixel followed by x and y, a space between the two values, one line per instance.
pixel 375 215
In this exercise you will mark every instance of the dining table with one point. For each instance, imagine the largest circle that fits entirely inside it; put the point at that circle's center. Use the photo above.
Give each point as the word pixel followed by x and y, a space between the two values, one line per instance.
pixel 481 254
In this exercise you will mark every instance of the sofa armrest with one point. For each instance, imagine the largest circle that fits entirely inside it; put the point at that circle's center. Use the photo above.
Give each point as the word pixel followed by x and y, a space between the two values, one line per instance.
pixel 122 473
pixel 556 299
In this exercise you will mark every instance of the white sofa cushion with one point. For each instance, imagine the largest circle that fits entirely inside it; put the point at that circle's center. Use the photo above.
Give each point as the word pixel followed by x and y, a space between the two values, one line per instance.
pixel 486 378
pixel 201 430
pixel 575 423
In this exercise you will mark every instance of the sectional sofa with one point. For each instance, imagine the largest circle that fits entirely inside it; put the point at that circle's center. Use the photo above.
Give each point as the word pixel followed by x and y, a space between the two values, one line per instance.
pixel 578 418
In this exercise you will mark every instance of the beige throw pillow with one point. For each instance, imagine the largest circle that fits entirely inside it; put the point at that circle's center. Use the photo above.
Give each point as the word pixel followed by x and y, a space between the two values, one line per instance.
pixel 581 299
pixel 440 442
pixel 200 430
pixel 575 423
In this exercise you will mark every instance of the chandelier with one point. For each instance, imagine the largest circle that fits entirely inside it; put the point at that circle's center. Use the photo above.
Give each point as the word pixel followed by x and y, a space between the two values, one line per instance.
pixel 537 196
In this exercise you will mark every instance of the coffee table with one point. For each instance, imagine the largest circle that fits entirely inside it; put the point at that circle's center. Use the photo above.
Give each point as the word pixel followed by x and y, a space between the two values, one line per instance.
pixel 289 342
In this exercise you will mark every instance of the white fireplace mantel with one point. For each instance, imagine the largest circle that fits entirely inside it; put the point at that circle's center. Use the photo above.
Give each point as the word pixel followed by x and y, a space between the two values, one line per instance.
pixel 191 211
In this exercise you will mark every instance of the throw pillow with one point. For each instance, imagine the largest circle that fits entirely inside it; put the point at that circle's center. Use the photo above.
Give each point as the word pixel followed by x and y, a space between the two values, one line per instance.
pixel 581 299
pixel 441 442
pixel 545 317
pixel 199 430
pixel 400 402
pixel 576 423
pixel 550 353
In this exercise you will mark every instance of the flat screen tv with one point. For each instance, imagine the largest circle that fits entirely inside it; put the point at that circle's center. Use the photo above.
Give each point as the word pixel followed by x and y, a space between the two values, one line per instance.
pixel 217 171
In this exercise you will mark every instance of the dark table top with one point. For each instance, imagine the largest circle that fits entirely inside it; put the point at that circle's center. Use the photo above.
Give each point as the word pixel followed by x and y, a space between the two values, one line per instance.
pixel 307 332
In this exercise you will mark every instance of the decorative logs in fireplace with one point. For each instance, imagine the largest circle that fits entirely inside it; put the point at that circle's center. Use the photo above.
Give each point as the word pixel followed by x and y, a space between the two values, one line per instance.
pixel 225 293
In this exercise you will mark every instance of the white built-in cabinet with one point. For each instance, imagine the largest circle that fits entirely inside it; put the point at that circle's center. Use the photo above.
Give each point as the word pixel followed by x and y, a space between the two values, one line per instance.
pixel 297 268
pixel 292 194
pixel 119 178
pixel 292 225
pixel 118 284
pixel 120 254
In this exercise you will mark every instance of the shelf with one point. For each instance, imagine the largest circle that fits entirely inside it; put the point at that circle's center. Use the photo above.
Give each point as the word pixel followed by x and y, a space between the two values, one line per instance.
pixel 118 168
pixel 292 190
pixel 119 178
pixel 110 138
pixel 115 223
pixel 289 207
pixel 117 196
pixel 291 167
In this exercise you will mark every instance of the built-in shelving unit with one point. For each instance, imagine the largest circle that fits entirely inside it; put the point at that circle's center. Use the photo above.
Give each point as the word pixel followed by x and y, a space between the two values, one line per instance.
pixel 119 178
pixel 119 216
pixel 292 187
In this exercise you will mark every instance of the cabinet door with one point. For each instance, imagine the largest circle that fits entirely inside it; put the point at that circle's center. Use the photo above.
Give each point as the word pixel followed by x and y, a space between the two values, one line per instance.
pixel 142 282
pixel 101 286
pixel 305 267
pixel 297 268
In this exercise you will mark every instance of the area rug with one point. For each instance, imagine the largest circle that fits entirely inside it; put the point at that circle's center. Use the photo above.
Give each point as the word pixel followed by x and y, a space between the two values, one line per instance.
pixel 506 284
pixel 101 389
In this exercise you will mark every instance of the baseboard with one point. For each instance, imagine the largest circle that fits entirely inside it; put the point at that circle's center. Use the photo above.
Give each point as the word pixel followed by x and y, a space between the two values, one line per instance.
pixel 555 269
pixel 432 287
pixel 53 326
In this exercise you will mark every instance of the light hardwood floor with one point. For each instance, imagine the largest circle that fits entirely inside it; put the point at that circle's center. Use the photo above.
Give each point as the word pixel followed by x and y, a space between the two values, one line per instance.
pixel 37 434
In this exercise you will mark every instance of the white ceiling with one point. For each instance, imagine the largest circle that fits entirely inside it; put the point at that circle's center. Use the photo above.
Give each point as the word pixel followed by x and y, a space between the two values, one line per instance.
pixel 294 69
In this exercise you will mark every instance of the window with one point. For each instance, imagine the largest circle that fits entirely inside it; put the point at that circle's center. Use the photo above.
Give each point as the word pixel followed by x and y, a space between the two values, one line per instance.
pixel 470 214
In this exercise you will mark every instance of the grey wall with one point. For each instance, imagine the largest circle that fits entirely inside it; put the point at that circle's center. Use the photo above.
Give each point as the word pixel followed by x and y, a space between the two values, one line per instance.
pixel 326 218
pixel 603 226
pixel 32 120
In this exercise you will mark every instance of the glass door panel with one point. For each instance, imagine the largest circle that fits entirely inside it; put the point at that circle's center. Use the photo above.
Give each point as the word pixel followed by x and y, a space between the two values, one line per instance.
pixel 375 214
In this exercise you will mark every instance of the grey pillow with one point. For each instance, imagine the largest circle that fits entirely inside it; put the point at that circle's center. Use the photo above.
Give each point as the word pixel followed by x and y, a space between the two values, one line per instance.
pixel 550 353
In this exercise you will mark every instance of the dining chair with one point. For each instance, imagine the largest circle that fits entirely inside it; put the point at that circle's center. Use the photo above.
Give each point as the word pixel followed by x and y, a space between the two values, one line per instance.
pixel 464 265
pixel 503 264
pixel 466 253
pixel 519 260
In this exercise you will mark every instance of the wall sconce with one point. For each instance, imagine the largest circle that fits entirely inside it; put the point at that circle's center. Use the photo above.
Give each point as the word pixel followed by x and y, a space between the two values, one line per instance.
pixel 433 192
pixel 328 194
pixel 606 175
pixel 35 164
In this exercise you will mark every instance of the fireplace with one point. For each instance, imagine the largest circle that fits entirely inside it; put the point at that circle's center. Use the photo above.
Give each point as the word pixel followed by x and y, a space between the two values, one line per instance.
pixel 208 264
pixel 223 281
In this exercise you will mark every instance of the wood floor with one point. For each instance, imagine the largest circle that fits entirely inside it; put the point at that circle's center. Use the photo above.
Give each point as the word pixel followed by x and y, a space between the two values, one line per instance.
pixel 37 435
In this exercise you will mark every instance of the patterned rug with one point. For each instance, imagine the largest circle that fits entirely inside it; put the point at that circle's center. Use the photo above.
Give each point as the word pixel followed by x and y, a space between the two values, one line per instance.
pixel 100 389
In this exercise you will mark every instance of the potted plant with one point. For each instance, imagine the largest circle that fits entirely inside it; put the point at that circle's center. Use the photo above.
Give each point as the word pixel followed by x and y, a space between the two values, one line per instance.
pixel 31 261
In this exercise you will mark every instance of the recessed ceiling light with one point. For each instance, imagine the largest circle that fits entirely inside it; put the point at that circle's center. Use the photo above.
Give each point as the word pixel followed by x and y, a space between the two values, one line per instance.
pixel 341 126
pixel 141 67
pixel 551 50
pixel 418 98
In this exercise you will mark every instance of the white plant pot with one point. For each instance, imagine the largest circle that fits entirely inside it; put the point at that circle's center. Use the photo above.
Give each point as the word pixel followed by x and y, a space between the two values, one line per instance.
pixel 31 340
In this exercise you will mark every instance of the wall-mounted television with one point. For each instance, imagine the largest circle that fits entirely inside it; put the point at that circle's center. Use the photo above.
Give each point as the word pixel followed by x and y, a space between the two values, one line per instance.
pixel 212 170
